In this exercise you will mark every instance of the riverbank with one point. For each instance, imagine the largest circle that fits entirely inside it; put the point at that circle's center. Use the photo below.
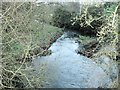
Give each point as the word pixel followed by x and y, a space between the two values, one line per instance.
pixel 24 46
pixel 42 38
pixel 103 56
pixel 89 45
pixel 46 37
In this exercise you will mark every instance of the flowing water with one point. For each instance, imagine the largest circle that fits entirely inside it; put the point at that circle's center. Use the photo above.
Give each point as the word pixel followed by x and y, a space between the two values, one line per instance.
pixel 64 68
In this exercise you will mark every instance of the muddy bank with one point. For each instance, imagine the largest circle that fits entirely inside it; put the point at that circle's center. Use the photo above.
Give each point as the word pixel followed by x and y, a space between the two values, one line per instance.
pixel 89 48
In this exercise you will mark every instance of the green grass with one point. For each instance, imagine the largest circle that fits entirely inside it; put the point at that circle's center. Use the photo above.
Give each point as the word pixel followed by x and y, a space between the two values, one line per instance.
pixel 38 36
pixel 44 34
pixel 109 10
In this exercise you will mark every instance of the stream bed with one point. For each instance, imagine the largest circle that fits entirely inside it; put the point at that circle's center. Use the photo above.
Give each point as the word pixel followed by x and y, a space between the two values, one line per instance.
pixel 64 68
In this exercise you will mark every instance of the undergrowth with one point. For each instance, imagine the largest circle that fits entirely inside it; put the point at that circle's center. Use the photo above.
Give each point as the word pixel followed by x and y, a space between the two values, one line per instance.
pixel 25 35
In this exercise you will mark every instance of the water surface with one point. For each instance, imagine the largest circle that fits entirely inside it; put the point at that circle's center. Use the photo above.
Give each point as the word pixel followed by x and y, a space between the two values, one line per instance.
pixel 64 68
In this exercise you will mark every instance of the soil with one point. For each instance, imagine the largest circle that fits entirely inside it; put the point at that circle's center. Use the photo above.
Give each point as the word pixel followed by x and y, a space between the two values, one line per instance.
pixel 90 48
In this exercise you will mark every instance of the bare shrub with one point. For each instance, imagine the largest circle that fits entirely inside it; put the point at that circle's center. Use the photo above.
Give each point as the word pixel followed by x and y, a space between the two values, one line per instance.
pixel 17 38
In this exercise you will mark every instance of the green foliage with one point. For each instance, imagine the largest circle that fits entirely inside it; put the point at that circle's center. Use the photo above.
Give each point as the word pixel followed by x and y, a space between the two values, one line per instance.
pixel 61 17
pixel 90 19
pixel 109 8
pixel 88 22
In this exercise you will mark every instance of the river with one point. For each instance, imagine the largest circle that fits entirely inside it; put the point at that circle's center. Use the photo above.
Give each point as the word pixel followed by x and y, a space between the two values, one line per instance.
pixel 64 68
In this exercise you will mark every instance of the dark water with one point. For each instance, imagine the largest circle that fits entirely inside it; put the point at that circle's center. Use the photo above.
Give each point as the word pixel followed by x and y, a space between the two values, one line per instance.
pixel 64 68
